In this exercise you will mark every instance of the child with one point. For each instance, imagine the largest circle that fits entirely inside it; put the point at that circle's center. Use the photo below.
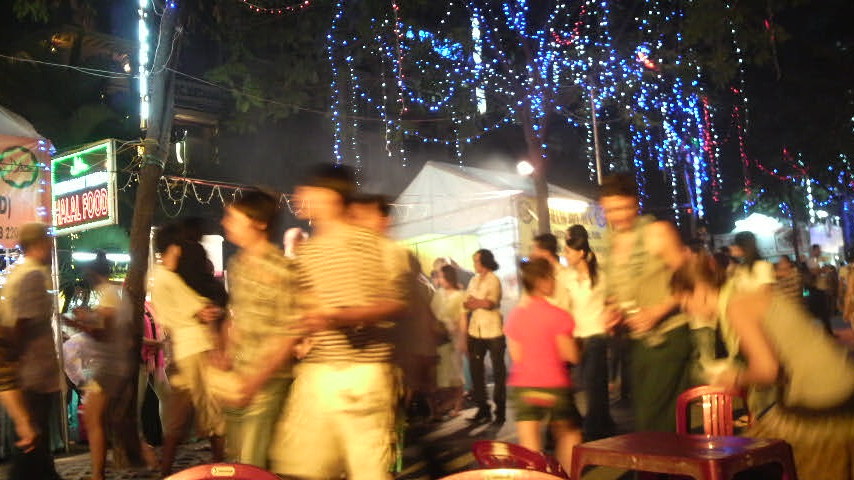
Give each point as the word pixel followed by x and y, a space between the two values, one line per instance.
pixel 539 336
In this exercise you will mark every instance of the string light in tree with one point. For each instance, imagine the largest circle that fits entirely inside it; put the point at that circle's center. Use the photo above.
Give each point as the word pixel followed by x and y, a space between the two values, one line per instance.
pixel 664 117
pixel 281 10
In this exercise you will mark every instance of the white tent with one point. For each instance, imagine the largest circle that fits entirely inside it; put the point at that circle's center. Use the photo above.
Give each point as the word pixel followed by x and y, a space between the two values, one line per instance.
pixel 14 125
pixel 452 211
pixel 449 199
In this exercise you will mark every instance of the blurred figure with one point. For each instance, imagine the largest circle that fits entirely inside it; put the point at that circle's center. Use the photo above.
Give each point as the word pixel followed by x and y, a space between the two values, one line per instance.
pixel 586 289
pixel 28 307
pixel 194 266
pixel 108 323
pixel 483 325
pixel 265 305
pixel 539 336
pixel 641 256
pixel 185 315
pixel 447 305
pixel 416 330
pixel 340 415
pixel 819 284
pixel 292 239
pixel 11 397
pixel 752 272
pixel 703 329
pixel 545 247
pixel 790 282
pixel 814 409
pixel 846 280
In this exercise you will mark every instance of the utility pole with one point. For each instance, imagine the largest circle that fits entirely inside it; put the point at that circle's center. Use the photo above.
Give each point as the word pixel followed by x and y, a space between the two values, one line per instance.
pixel 154 152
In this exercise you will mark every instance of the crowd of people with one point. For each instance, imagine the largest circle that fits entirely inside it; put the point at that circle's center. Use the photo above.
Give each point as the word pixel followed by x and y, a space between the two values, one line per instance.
pixel 304 360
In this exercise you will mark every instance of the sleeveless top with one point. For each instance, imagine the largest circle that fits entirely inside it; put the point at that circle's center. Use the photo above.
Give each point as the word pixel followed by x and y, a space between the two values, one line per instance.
pixel 818 372
pixel 642 281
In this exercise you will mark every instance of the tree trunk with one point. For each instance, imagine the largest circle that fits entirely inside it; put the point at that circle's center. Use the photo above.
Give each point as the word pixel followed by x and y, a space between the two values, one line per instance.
pixel 125 432
pixel 534 139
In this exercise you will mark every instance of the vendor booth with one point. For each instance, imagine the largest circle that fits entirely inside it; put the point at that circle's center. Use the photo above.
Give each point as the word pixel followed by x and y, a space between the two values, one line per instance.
pixel 452 211
pixel 25 185
pixel 24 198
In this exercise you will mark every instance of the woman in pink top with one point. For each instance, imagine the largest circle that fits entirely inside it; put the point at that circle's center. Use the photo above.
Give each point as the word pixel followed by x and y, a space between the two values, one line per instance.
pixel 539 337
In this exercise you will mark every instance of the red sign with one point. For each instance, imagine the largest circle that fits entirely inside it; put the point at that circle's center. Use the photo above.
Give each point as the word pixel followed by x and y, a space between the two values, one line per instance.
pixel 81 207
pixel 24 185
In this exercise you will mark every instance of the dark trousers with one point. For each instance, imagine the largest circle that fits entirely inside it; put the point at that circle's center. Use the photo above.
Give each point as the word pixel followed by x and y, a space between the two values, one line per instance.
pixel 37 464
pixel 659 375
pixel 594 378
pixel 478 347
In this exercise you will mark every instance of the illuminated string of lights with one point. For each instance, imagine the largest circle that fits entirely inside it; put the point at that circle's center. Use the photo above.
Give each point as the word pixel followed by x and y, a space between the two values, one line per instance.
pixel 281 10
pixel 665 118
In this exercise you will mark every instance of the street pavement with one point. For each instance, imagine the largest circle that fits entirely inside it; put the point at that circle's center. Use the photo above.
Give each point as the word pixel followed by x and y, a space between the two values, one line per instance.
pixel 432 450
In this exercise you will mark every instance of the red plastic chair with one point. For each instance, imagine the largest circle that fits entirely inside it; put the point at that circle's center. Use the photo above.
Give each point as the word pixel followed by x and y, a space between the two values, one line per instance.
pixel 219 471
pixel 717 406
pixel 493 454
pixel 501 474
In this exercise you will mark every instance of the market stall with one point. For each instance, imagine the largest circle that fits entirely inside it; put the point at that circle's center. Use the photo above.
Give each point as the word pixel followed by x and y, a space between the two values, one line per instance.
pixel 452 211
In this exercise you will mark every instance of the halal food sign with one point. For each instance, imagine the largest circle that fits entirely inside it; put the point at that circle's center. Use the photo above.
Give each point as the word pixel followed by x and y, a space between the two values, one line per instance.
pixel 84 188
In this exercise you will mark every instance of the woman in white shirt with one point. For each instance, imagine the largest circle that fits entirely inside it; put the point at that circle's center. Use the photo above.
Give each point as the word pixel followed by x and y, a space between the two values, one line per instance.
pixel 587 306
pixel 485 334
pixel 447 306
pixel 752 273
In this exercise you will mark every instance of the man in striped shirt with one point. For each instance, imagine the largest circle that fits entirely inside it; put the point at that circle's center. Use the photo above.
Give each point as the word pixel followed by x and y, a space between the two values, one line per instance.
pixel 339 418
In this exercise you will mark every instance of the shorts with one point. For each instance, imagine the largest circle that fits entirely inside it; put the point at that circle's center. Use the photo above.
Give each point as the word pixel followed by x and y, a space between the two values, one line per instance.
pixel 538 404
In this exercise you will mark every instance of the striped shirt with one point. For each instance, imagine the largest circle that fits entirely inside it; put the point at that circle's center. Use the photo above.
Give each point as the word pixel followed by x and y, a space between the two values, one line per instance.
pixel 264 303
pixel 345 268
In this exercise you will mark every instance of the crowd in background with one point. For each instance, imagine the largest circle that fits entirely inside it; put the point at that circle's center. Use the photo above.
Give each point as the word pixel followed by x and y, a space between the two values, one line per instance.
pixel 304 361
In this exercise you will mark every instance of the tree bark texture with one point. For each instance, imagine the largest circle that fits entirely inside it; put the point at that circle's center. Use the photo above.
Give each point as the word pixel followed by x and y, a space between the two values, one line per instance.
pixel 125 430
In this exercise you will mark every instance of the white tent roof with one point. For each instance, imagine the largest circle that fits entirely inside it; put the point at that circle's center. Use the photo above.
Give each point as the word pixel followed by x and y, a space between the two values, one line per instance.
pixel 14 125
pixel 450 199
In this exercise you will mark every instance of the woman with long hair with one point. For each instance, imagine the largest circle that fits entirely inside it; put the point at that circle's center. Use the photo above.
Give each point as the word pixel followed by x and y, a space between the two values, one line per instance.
pixel 447 306
pixel 587 306
pixel 781 347
pixel 752 271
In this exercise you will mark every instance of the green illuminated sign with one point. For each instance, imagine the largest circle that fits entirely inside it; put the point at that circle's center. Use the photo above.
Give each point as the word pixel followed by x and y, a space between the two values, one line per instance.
pixel 92 158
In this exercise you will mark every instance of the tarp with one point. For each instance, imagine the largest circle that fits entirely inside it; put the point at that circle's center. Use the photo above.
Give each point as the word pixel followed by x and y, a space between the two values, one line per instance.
pixel 14 125
pixel 446 199
pixel 24 177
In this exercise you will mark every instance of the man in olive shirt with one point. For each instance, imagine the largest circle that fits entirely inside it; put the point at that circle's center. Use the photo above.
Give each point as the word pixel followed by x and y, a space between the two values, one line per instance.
pixel 28 307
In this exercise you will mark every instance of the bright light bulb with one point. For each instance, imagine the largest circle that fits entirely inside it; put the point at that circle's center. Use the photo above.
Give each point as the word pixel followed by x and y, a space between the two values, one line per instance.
pixel 525 168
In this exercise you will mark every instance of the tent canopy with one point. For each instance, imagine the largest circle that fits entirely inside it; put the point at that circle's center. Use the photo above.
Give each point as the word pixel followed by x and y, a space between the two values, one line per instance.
pixel 14 125
pixel 449 199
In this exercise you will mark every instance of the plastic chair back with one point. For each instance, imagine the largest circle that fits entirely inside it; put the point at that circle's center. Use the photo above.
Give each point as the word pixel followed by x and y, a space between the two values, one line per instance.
pixel 494 454
pixel 717 404
pixel 227 471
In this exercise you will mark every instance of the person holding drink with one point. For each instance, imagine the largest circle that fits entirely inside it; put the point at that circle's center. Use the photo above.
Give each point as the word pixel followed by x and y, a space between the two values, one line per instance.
pixel 641 256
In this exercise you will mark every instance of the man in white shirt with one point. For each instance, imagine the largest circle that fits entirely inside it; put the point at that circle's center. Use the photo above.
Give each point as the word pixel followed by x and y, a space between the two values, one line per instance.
pixel 185 315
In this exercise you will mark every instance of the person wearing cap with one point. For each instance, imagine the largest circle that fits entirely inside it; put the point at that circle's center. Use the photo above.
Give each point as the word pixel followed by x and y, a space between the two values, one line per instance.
pixel 340 415
pixel 28 308
pixel 108 323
